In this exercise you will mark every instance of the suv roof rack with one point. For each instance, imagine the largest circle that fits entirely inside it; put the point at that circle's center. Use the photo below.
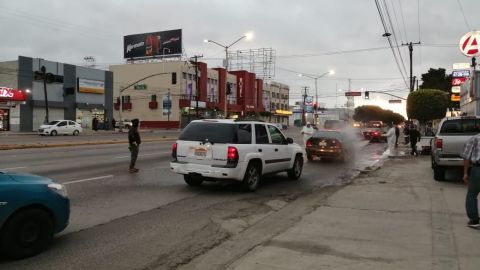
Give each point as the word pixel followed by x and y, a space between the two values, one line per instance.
pixel 248 119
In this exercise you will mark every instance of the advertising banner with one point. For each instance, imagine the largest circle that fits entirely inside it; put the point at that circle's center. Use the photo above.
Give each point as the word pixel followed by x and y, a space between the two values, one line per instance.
pixel 91 86
pixel 166 104
pixel 153 44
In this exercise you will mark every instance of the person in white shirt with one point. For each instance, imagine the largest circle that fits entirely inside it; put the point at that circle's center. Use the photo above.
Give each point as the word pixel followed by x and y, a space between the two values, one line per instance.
pixel 391 139
pixel 307 132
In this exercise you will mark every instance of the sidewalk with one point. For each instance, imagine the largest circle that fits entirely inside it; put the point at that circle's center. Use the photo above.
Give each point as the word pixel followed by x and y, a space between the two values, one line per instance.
pixel 397 217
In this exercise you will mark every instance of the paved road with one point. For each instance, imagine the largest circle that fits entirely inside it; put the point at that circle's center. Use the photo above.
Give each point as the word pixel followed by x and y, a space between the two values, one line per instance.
pixel 153 219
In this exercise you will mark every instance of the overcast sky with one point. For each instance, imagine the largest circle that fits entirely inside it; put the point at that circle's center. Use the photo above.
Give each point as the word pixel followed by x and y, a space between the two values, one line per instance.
pixel 309 37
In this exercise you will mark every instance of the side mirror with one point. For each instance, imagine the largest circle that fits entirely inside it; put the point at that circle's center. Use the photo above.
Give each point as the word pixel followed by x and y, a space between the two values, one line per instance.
pixel 289 140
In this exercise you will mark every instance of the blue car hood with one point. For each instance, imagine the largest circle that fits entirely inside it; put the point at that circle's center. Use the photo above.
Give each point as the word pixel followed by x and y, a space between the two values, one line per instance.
pixel 28 178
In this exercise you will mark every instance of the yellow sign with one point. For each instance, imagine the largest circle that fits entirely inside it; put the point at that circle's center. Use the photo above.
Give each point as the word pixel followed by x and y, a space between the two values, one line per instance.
pixel 282 112
pixel 455 98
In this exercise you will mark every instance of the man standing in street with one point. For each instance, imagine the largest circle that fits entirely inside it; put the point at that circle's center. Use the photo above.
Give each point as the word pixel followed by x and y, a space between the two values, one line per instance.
pixel 414 138
pixel 471 156
pixel 397 134
pixel 133 144
pixel 307 132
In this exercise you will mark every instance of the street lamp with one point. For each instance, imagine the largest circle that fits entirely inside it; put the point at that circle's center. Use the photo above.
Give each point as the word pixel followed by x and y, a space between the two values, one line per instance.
pixel 330 72
pixel 247 36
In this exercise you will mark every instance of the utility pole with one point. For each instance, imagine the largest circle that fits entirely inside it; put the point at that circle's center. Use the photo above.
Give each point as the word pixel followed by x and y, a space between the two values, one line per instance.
pixel 197 96
pixel 410 49
pixel 44 74
pixel 303 106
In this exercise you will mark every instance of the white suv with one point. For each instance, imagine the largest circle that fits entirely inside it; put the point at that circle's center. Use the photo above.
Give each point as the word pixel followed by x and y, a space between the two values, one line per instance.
pixel 216 149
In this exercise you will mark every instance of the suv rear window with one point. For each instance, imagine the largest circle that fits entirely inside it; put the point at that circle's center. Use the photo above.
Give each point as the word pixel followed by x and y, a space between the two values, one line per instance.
pixel 217 133
pixel 461 127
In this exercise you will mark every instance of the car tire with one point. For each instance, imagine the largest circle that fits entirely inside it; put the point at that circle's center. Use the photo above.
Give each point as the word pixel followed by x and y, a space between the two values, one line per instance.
pixel 296 171
pixel 251 180
pixel 192 180
pixel 26 233
pixel 76 132
pixel 53 133
pixel 438 173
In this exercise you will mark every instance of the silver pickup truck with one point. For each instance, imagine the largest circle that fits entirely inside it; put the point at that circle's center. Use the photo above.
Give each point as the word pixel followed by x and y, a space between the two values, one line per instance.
pixel 451 136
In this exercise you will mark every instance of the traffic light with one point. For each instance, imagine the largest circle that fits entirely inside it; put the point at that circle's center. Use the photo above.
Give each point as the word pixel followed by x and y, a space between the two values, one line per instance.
pixel 367 95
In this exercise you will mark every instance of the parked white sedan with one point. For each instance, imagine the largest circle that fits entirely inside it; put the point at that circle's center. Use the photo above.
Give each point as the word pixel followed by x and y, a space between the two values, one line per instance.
pixel 65 127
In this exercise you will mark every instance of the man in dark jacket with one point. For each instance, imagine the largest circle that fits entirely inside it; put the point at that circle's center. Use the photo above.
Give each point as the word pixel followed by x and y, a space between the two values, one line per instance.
pixel 134 144
pixel 414 138
pixel 397 134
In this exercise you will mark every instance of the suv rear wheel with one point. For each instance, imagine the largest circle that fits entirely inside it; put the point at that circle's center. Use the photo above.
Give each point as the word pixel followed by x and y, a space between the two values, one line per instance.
pixel 252 178
pixel 192 180
pixel 296 171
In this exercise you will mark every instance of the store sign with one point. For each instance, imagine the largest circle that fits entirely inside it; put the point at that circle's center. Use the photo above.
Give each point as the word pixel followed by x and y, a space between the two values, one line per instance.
pixel 461 73
pixel 153 44
pixel 283 112
pixel 469 44
pixel 458 81
pixel 456 89
pixel 10 94
pixel 166 104
pixel 353 94
pixel 457 66
pixel 455 97
pixel 91 86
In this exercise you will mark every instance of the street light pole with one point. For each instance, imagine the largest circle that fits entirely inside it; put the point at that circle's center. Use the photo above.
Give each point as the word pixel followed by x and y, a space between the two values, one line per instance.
pixel 44 74
pixel 248 36
pixel 331 72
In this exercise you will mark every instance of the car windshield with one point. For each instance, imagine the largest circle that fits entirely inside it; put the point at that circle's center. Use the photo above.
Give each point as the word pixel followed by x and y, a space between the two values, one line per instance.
pixel 53 123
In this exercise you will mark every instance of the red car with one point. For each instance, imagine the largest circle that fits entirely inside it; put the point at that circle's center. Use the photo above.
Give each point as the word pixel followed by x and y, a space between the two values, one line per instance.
pixel 330 144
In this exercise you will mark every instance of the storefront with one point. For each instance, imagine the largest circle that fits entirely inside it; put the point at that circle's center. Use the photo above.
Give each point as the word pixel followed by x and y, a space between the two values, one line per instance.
pixel 9 111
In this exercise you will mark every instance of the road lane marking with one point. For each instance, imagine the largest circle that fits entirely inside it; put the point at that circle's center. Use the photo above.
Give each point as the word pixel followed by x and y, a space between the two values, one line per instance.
pixel 88 179
pixel 142 155
pixel 12 168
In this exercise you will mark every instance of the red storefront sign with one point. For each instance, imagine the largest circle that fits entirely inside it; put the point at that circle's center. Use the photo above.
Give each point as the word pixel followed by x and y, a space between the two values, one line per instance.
pixel 12 94
pixel 458 81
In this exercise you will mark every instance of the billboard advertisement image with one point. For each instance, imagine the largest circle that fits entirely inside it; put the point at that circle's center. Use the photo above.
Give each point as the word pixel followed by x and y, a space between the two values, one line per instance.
pixel 153 44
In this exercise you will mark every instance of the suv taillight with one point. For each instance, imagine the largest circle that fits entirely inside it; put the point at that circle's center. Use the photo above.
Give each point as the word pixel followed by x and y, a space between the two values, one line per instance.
pixel 232 156
pixel 438 143
pixel 174 151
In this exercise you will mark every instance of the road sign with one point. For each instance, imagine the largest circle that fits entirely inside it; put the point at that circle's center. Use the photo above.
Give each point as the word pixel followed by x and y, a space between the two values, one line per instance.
pixel 469 44
pixel 353 94
pixel 395 101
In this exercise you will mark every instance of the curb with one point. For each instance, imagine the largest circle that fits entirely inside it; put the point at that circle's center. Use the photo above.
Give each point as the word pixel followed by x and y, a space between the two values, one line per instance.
pixel 28 146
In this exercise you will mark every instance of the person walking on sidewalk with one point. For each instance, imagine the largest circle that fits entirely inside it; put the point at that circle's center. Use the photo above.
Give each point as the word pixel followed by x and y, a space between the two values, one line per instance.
pixel 414 138
pixel 133 144
pixel 397 134
pixel 391 139
pixel 471 156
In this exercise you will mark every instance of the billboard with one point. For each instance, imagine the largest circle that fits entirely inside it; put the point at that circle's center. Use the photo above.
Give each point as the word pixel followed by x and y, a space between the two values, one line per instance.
pixel 153 44
pixel 91 86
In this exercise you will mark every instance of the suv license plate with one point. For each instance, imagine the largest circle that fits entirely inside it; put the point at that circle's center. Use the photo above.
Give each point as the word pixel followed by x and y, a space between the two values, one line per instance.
pixel 200 152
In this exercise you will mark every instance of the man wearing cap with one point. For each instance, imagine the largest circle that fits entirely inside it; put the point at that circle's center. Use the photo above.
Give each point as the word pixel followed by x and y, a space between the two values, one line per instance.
pixel 133 144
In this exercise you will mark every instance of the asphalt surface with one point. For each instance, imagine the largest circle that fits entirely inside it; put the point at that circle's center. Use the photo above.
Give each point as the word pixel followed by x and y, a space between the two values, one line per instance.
pixel 152 219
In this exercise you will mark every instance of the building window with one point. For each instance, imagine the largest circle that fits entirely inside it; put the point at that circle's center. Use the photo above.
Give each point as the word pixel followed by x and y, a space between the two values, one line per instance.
pixel 125 99
pixel 153 98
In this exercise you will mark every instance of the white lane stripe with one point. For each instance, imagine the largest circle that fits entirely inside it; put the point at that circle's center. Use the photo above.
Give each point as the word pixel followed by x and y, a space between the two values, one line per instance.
pixel 142 155
pixel 88 179
pixel 12 168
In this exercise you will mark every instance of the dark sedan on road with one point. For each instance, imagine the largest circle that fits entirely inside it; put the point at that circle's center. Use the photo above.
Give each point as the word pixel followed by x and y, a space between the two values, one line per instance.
pixel 32 209
pixel 330 144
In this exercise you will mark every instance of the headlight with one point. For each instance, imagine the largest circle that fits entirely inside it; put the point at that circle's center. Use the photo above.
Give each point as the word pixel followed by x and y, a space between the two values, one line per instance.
pixel 59 189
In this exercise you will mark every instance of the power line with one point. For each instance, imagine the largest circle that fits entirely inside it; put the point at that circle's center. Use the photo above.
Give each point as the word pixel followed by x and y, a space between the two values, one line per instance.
pixel 463 14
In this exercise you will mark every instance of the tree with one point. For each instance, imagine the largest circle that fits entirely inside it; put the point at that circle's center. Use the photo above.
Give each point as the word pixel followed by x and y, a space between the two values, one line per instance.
pixel 427 104
pixel 375 113
pixel 436 79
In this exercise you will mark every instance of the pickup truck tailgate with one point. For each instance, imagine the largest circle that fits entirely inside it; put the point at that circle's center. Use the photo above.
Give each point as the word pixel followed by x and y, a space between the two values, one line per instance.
pixel 453 145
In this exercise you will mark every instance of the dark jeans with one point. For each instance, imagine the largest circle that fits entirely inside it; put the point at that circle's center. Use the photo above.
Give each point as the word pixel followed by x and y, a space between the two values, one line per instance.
pixel 134 155
pixel 413 145
pixel 471 202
